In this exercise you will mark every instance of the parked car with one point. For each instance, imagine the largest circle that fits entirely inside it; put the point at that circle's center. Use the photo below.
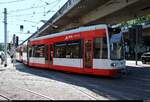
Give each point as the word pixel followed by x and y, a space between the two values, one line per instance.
pixel 145 57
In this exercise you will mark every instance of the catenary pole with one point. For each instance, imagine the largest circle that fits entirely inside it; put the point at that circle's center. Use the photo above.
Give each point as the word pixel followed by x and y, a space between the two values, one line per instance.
pixel 5 35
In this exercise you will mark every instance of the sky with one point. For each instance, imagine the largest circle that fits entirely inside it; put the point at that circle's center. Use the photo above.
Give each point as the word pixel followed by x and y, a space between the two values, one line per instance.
pixel 28 13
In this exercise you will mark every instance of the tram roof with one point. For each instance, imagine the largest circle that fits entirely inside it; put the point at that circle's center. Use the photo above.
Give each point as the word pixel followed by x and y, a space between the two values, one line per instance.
pixel 80 29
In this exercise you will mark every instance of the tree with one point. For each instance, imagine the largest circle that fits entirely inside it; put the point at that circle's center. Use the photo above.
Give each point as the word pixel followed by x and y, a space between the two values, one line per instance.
pixel 1 47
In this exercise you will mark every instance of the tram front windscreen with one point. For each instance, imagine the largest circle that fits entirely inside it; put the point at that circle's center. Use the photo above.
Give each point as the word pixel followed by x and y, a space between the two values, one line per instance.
pixel 116 44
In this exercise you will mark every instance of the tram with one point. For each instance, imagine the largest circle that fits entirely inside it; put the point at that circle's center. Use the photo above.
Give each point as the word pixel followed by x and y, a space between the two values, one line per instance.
pixel 19 53
pixel 95 50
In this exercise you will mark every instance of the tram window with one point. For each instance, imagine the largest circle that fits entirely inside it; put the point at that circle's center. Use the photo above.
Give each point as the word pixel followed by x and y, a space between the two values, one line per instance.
pixel 100 48
pixel 39 51
pixel 33 50
pixel 30 51
pixel 46 52
pixel 60 50
pixel 73 49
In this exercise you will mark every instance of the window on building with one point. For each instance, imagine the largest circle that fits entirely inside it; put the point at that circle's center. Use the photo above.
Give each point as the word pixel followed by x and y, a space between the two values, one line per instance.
pixel 100 48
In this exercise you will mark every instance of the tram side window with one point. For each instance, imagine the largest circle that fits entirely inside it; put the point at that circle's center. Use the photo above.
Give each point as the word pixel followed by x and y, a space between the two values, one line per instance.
pixel 39 51
pixel 46 52
pixel 60 50
pixel 100 48
pixel 30 51
pixel 73 49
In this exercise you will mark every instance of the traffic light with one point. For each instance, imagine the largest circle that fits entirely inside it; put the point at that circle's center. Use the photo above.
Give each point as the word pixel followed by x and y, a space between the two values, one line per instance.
pixel 21 27
pixel 14 39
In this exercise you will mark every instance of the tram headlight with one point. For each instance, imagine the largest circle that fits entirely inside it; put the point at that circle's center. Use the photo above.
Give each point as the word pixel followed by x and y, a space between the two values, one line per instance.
pixel 113 64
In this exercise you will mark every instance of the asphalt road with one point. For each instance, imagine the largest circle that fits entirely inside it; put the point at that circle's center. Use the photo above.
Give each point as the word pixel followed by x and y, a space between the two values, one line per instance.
pixel 134 85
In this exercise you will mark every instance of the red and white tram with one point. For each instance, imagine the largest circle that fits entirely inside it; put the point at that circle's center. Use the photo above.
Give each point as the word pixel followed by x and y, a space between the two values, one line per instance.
pixel 95 50
pixel 19 51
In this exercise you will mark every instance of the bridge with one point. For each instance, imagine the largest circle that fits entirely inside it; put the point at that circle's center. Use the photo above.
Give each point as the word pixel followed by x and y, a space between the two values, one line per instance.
pixel 77 13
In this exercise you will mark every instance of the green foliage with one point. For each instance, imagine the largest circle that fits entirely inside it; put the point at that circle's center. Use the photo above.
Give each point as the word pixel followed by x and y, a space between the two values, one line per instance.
pixel 1 47
pixel 135 21
pixel 9 46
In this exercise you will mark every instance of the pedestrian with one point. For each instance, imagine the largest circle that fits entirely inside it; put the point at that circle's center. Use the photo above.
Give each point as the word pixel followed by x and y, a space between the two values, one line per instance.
pixel 12 54
pixel 11 58
pixel 126 50
pixel 2 58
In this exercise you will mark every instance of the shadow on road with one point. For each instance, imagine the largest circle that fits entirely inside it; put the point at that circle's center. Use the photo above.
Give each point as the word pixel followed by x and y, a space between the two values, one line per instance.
pixel 135 85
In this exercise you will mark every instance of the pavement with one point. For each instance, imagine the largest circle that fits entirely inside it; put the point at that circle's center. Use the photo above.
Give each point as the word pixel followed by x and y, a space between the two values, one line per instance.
pixel 139 64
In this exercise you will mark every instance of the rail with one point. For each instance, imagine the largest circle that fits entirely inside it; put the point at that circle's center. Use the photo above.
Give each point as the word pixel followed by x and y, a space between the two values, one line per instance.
pixel 5 97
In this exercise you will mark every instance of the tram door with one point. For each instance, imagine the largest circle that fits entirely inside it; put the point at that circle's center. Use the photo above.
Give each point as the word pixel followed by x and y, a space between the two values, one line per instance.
pixel 88 54
pixel 51 55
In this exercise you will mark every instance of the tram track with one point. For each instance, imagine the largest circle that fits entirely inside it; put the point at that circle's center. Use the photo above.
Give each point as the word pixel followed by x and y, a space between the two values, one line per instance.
pixel 23 89
pixel 45 73
pixel 96 89
pixel 29 91
pixel 36 93
pixel 87 94
pixel 5 98
pixel 72 86
pixel 75 88
pixel 56 76
pixel 65 78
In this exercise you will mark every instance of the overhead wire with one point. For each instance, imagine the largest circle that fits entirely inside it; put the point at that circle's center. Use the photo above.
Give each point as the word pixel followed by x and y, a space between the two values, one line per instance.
pixel 33 13
pixel 30 8
pixel 13 1
pixel 21 20
pixel 29 14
